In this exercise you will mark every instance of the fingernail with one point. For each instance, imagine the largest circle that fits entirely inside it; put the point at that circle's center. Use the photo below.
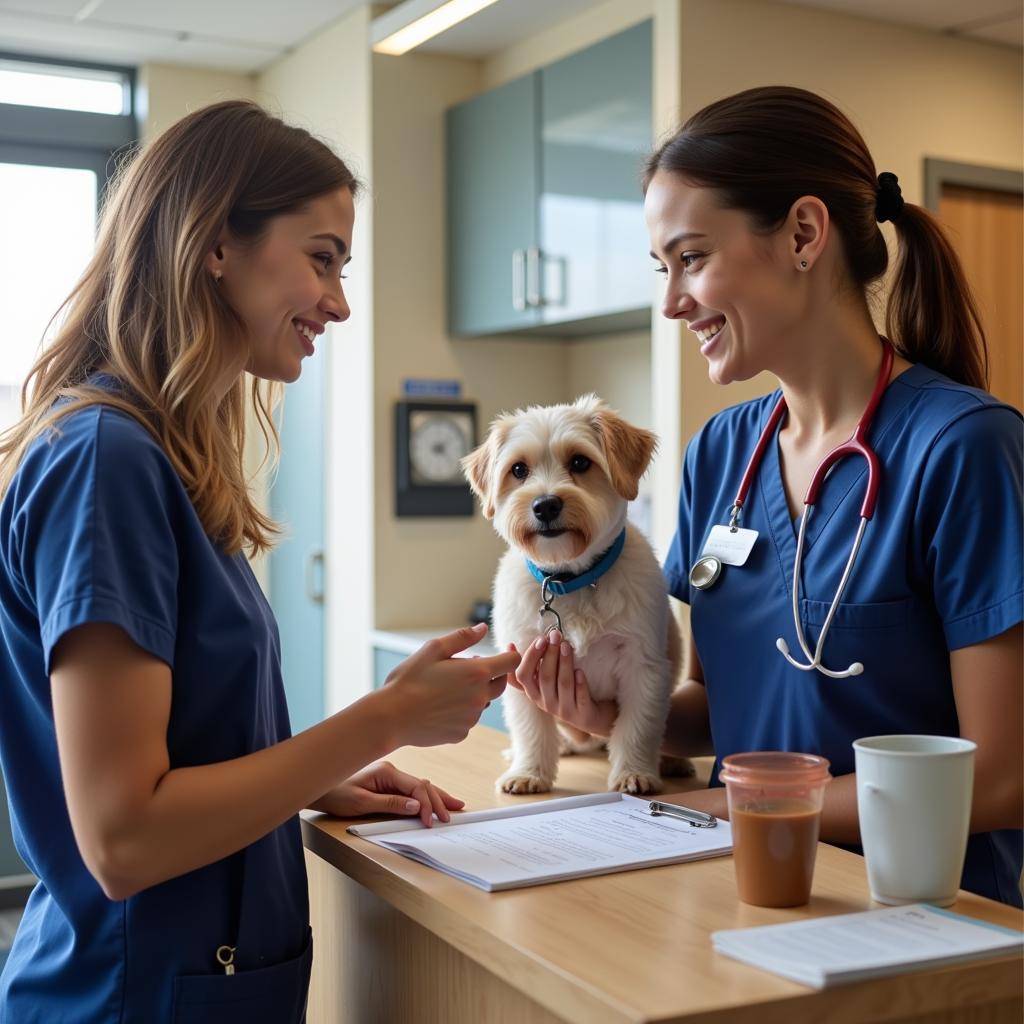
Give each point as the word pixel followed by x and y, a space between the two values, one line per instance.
pixel 540 643
pixel 566 650
pixel 412 806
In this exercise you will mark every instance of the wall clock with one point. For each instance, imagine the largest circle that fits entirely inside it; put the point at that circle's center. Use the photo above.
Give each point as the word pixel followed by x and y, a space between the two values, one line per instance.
pixel 430 439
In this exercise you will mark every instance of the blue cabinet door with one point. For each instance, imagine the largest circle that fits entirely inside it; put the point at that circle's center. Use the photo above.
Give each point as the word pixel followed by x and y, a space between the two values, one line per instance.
pixel 296 564
pixel 596 131
pixel 492 210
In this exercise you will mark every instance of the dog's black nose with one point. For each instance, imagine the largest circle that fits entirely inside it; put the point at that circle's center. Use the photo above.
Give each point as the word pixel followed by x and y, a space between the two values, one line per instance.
pixel 547 507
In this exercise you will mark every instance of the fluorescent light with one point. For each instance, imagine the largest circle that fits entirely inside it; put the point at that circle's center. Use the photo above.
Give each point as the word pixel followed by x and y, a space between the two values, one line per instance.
pixel 429 25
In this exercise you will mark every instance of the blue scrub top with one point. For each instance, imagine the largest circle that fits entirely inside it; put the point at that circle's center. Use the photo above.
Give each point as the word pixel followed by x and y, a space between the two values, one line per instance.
pixel 940 568
pixel 97 527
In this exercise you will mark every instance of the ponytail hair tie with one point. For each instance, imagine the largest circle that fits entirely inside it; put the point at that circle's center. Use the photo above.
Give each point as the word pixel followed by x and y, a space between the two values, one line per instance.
pixel 889 201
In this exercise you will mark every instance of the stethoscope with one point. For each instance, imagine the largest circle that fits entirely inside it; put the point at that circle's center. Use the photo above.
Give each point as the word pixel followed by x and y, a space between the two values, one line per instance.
pixel 707 569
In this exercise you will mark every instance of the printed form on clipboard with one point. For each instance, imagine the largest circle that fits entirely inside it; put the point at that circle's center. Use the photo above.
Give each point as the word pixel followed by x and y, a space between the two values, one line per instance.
pixel 550 841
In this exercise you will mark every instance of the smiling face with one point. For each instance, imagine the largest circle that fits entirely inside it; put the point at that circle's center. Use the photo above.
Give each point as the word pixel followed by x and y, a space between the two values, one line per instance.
pixel 736 289
pixel 287 286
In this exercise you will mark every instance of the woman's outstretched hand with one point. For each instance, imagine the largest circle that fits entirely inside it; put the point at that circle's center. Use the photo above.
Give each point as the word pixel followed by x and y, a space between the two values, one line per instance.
pixel 549 678
pixel 435 697
pixel 382 789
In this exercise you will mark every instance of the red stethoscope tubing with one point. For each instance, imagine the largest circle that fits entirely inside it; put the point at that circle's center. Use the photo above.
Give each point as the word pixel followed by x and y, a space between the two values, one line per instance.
pixel 856 445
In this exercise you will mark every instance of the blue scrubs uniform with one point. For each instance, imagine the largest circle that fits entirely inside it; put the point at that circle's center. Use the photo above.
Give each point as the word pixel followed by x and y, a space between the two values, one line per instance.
pixel 97 527
pixel 940 568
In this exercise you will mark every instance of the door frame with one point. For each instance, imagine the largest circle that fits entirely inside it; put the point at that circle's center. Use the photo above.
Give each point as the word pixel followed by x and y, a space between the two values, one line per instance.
pixel 948 172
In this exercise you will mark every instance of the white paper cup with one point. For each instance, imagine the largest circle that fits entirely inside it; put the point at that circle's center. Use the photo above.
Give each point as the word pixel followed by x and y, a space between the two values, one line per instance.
pixel 914 802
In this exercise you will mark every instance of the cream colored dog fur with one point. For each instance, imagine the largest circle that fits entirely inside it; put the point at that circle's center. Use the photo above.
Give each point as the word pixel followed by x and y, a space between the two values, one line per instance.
pixel 622 630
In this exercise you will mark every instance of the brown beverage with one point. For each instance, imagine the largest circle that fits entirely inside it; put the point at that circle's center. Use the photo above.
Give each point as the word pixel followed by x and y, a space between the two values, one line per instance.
pixel 774 845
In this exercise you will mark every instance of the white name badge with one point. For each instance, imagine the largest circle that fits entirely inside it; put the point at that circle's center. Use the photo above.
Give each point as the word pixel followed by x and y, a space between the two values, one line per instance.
pixel 731 547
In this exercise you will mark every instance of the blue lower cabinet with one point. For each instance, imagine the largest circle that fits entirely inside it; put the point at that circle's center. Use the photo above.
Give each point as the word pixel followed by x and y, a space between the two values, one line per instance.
pixel 384 661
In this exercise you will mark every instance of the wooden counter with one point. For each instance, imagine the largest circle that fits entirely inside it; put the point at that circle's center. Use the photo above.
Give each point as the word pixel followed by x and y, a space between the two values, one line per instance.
pixel 399 943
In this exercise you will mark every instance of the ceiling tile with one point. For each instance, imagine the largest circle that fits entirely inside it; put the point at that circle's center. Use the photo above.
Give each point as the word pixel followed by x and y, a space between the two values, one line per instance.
pixel 267 22
pixel 1009 32
pixel 223 56
pixel 76 42
pixel 43 8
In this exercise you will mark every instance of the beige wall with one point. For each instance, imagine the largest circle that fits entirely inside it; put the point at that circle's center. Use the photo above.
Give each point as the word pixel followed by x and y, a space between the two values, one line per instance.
pixel 324 86
pixel 429 571
pixel 168 92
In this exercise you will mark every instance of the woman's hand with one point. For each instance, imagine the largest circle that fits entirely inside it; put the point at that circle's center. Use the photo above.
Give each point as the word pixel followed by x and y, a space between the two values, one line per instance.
pixel 435 698
pixel 549 678
pixel 382 789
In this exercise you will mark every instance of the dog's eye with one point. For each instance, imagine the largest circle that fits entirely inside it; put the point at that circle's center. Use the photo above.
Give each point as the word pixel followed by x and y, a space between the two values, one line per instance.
pixel 579 464
pixel 520 470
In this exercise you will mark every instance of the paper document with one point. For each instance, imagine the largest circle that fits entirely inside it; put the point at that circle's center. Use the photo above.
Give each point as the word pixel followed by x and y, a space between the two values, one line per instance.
pixel 852 947
pixel 551 840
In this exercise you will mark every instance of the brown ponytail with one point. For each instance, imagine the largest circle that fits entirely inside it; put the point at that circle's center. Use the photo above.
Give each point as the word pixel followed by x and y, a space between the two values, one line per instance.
pixel 931 314
pixel 762 149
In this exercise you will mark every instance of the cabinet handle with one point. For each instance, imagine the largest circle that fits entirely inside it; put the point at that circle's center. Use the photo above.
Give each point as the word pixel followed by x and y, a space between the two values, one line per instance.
pixel 519 279
pixel 314 580
pixel 562 263
pixel 534 297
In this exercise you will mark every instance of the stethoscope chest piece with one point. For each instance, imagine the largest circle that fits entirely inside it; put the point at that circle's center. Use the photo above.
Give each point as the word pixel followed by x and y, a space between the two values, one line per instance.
pixel 705 572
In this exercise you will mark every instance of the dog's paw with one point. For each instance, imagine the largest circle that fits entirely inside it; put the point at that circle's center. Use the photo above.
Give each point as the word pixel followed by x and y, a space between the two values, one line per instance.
pixel 518 782
pixel 677 767
pixel 635 782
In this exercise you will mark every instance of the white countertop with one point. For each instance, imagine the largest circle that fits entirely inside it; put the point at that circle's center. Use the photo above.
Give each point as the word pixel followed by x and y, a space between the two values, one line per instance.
pixel 407 641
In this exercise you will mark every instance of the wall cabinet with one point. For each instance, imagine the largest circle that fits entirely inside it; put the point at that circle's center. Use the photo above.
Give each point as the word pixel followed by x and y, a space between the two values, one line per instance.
pixel 545 218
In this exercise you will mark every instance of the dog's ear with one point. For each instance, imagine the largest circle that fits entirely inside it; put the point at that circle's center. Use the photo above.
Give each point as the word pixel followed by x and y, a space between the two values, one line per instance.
pixel 629 450
pixel 477 466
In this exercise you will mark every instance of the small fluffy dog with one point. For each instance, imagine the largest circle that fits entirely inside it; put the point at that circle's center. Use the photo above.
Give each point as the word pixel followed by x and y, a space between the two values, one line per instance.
pixel 556 480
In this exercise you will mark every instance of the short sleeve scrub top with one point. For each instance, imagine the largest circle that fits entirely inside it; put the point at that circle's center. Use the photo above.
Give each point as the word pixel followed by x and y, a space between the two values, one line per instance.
pixel 940 568
pixel 97 528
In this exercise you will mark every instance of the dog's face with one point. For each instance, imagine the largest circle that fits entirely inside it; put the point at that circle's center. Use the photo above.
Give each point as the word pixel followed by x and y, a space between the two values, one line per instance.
pixel 556 479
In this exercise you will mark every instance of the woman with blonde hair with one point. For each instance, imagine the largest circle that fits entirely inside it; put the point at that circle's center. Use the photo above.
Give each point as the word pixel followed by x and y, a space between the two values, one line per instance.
pixel 154 785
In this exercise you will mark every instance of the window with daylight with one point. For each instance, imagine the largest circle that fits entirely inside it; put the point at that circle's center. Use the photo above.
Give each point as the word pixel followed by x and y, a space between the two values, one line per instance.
pixel 60 127
pixel 62 87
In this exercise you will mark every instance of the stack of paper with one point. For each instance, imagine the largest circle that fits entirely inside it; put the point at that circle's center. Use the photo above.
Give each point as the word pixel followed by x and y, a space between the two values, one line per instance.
pixel 851 947
pixel 549 841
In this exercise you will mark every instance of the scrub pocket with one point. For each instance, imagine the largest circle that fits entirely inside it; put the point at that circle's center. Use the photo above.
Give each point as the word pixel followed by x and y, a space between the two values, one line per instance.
pixel 876 615
pixel 268 995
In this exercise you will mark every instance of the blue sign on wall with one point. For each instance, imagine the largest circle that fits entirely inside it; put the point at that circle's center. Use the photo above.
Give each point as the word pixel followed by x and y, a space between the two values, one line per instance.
pixel 412 388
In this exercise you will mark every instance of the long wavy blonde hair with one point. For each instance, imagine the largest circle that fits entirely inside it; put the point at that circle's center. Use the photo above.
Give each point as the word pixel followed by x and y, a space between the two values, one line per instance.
pixel 148 311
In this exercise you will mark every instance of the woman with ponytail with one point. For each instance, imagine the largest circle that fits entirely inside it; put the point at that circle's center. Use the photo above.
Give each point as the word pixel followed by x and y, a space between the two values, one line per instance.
pixel 764 213
pixel 153 780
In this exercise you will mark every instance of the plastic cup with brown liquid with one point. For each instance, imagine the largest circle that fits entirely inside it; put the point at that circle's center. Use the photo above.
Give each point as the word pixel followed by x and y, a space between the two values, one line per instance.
pixel 775 803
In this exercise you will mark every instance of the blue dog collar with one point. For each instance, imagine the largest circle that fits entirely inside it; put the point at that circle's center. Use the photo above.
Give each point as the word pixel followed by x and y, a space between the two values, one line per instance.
pixel 562 584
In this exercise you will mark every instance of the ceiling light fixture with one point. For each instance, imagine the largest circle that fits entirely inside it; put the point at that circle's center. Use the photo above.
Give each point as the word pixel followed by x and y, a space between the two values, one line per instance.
pixel 403 28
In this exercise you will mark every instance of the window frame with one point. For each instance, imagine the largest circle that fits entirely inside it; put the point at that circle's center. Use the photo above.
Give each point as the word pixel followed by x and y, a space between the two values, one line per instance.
pixel 53 137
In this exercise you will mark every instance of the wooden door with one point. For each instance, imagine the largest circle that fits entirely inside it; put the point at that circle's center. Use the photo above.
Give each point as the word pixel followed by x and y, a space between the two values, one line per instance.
pixel 987 230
